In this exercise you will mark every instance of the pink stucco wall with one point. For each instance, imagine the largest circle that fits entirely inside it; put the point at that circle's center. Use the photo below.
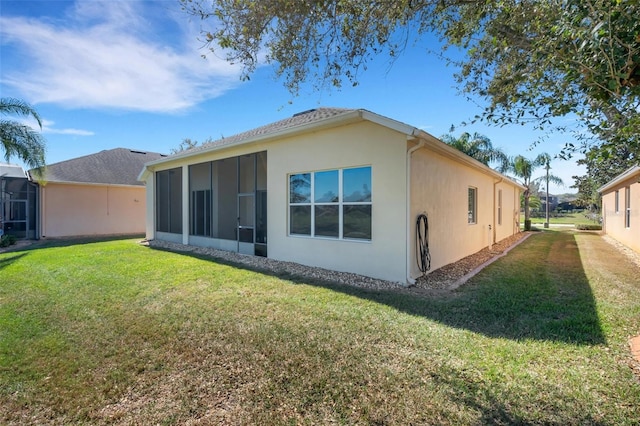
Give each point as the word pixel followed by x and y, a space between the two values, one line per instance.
pixel 614 219
pixel 76 209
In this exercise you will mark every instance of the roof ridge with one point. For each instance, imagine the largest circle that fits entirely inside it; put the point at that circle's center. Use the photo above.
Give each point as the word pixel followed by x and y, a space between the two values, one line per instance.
pixel 295 120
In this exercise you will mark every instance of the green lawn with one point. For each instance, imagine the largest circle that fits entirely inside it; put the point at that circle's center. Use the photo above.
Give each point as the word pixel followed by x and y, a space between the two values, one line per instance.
pixel 117 333
pixel 564 219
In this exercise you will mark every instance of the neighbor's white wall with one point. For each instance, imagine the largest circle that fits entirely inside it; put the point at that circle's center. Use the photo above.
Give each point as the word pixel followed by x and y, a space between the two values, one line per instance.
pixel 614 223
pixel 75 209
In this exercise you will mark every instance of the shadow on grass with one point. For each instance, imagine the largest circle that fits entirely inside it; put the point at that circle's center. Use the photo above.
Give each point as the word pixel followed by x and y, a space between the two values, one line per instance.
pixel 9 260
pixel 538 291
pixel 30 245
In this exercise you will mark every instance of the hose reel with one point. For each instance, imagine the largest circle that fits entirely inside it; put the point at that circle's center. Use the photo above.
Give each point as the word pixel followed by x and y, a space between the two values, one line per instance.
pixel 423 257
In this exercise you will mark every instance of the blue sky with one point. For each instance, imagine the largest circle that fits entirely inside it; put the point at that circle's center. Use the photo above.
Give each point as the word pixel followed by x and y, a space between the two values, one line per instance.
pixel 129 73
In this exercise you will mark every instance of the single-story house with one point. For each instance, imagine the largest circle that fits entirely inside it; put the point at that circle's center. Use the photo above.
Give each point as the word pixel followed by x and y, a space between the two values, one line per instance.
pixel 97 194
pixel 340 189
pixel 621 208
pixel 18 202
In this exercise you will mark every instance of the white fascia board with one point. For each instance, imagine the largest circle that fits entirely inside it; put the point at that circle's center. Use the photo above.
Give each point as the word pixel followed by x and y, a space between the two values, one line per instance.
pixel 389 123
pixel 63 182
pixel 628 174
pixel 144 174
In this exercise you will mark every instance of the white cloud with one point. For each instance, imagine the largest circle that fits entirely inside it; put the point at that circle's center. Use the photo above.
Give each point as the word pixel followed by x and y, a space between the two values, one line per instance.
pixel 48 127
pixel 107 55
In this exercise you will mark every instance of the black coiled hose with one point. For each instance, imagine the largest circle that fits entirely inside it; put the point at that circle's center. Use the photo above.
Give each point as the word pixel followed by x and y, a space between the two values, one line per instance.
pixel 423 257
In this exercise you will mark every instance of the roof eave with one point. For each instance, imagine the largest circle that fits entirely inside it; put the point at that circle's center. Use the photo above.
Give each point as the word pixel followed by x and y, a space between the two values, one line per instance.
pixel 626 175
pixel 69 182
pixel 341 119
pixel 347 117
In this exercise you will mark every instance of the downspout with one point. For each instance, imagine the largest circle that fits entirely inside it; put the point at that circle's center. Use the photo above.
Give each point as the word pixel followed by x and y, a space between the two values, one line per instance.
pixel 493 241
pixel 410 281
pixel 43 212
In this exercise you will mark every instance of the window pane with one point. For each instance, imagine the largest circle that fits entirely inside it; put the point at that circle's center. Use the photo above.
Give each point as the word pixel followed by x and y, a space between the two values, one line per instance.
pixel 247 173
pixel 261 171
pixel 16 189
pixel 201 213
pixel 472 206
pixel 175 200
pixel 327 221
pixel 357 184
pixel 162 201
pixel 200 176
pixel 300 188
pixel 247 210
pixel 357 222
pixel 300 220
pixel 225 197
pixel 326 187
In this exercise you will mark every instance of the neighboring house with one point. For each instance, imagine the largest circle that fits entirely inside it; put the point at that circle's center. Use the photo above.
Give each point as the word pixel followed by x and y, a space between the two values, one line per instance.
pixel 334 188
pixel 621 208
pixel 98 194
pixel 18 202
pixel 553 202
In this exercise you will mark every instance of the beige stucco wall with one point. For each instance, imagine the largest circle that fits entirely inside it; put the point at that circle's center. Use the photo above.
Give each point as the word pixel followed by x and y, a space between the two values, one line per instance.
pixel 352 145
pixel 440 189
pixel 75 209
pixel 362 144
pixel 510 223
pixel 614 222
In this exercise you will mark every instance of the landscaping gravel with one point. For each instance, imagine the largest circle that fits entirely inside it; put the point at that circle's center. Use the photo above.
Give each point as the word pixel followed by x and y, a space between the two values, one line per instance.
pixel 445 278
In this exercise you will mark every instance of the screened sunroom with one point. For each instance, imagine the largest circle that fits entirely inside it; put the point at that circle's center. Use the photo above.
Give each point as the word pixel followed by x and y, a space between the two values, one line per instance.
pixel 18 203
pixel 227 204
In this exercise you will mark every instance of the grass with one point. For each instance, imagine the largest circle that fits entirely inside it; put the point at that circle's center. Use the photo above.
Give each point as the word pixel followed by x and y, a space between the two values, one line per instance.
pixel 565 219
pixel 116 333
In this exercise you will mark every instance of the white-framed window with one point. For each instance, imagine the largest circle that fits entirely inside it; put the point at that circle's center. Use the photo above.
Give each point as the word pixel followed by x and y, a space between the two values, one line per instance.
pixel 499 206
pixel 473 205
pixel 617 202
pixel 627 207
pixel 331 203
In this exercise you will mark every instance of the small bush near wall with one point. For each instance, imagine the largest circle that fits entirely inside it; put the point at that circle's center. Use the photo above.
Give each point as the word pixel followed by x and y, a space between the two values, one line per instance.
pixel 7 240
pixel 589 227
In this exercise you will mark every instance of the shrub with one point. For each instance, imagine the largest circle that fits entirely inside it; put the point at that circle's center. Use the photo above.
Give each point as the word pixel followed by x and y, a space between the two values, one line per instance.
pixel 7 240
pixel 588 227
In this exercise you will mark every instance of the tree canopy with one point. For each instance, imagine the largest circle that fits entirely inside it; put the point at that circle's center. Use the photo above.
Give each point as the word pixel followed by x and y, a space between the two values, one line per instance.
pixel 18 139
pixel 479 147
pixel 187 143
pixel 522 168
pixel 530 60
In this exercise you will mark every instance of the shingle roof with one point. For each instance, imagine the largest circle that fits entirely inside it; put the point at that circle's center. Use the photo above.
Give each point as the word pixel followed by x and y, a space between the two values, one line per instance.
pixel 119 166
pixel 299 119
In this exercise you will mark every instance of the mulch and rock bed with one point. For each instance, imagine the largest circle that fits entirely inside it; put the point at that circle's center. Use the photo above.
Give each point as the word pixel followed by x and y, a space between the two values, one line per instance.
pixel 446 278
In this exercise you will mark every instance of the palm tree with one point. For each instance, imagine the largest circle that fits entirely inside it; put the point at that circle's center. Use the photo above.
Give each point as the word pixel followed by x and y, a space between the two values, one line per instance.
pixel 522 168
pixel 479 147
pixel 18 139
